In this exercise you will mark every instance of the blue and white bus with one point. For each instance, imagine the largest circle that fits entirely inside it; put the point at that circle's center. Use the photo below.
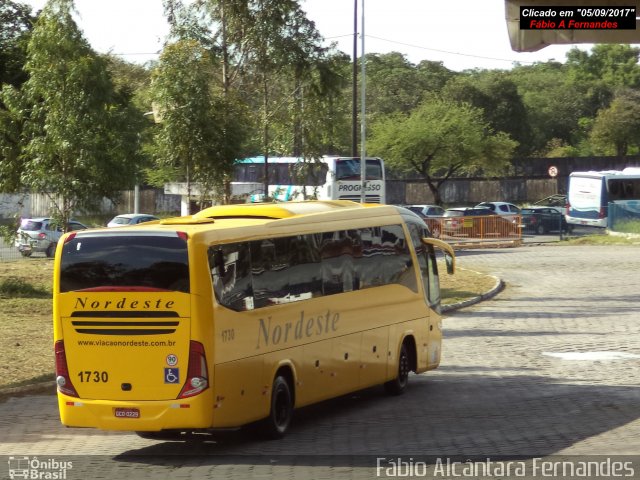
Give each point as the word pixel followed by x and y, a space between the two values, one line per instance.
pixel 293 178
pixel 591 193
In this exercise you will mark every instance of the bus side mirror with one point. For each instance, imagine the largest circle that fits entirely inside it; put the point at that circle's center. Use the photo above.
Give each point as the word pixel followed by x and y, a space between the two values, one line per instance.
pixel 449 255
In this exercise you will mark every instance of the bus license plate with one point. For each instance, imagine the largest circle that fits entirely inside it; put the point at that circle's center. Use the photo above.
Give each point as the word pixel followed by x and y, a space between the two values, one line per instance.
pixel 127 413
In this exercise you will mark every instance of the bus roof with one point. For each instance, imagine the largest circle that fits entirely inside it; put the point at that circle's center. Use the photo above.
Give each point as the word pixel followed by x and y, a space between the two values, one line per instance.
pixel 275 210
pixel 627 172
pixel 245 221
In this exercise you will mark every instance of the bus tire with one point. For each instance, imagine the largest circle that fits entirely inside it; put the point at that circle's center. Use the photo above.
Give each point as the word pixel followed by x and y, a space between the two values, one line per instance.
pixel 281 410
pixel 398 385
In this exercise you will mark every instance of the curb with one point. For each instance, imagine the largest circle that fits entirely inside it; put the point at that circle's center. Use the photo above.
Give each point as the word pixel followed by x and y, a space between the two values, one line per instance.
pixel 48 386
pixel 498 287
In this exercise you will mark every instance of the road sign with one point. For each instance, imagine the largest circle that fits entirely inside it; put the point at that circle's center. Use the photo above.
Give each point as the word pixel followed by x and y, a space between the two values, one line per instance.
pixel 553 171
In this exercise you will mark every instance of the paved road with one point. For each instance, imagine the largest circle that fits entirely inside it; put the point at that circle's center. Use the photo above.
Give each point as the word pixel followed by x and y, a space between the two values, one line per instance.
pixel 551 366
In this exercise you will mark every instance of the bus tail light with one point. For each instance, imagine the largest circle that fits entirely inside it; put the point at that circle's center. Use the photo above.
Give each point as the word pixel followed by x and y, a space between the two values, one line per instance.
pixel 62 372
pixel 197 374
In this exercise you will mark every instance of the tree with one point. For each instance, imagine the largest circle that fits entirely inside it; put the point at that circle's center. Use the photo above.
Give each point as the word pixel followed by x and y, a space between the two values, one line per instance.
pixel 15 26
pixel 195 140
pixel 441 139
pixel 498 97
pixel 15 29
pixel 613 64
pixel 555 104
pixel 617 128
pixel 77 142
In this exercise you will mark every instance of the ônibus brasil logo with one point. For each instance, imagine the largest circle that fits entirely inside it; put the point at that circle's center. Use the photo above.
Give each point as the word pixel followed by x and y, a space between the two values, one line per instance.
pixel 35 468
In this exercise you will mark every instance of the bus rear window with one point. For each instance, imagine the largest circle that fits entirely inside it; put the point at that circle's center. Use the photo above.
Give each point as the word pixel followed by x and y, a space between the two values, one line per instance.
pixel 125 261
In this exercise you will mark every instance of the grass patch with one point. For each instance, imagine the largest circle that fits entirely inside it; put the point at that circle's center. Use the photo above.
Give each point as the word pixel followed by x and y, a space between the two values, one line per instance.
pixel 601 240
pixel 628 226
pixel 463 285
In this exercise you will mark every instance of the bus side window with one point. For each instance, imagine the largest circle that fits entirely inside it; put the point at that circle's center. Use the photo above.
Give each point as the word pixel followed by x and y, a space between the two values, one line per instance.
pixel 338 272
pixel 305 274
pixel 385 258
pixel 270 271
pixel 231 274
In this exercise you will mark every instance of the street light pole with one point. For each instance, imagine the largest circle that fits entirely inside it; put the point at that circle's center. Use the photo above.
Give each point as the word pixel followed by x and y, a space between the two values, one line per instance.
pixel 363 150
pixel 354 98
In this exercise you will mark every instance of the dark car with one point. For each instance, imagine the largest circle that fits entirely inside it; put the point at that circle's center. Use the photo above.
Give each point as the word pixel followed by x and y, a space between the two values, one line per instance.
pixel 543 219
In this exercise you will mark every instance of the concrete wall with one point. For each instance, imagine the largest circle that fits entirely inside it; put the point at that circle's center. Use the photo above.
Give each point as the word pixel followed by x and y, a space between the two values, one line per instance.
pixel 463 191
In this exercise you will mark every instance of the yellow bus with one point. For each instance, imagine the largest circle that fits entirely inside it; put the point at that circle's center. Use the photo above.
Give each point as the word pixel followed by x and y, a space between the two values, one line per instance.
pixel 240 314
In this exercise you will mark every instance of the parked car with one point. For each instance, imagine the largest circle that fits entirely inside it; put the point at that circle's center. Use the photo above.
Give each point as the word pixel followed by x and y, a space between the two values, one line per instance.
pixel 130 219
pixel 41 235
pixel 543 219
pixel 432 216
pixel 478 222
pixel 454 221
pixel 509 210
pixel 426 210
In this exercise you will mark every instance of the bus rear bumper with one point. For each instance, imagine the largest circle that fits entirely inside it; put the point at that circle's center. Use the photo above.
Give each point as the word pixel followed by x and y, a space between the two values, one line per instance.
pixel 182 414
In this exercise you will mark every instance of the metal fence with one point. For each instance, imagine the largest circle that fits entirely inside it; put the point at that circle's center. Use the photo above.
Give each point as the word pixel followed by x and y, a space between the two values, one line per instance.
pixel 480 231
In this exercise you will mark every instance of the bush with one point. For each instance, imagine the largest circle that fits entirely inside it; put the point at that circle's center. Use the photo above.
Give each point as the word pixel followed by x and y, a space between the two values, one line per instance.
pixel 18 287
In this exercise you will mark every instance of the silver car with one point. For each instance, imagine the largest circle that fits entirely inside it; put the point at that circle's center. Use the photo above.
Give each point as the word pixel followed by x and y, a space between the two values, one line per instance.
pixel 131 219
pixel 41 235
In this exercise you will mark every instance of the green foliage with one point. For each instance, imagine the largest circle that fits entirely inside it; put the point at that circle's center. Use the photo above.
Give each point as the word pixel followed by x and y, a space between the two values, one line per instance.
pixel 553 102
pixel 199 131
pixel 613 64
pixel 15 27
pixel 617 128
pixel 497 96
pixel 78 138
pixel 441 139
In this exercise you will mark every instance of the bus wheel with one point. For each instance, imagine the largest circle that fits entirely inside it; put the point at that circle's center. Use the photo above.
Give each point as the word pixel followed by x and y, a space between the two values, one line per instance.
pixel 281 412
pixel 399 384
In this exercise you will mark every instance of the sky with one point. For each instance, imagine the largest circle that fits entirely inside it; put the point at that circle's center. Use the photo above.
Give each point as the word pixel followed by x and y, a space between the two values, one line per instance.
pixel 462 34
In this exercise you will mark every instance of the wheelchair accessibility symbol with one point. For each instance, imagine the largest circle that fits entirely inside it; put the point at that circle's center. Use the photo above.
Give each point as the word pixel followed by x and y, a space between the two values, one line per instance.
pixel 171 375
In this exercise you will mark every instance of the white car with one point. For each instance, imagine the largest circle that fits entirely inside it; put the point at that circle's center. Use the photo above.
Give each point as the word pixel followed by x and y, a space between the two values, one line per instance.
pixel 131 219
pixel 508 210
pixel 41 235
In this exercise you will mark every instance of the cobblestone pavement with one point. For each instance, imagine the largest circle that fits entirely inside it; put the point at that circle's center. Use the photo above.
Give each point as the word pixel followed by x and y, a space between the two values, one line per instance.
pixel 550 366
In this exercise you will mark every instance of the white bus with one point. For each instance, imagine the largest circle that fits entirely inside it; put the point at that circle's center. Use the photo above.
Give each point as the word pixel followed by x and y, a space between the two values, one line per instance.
pixel 590 194
pixel 293 178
